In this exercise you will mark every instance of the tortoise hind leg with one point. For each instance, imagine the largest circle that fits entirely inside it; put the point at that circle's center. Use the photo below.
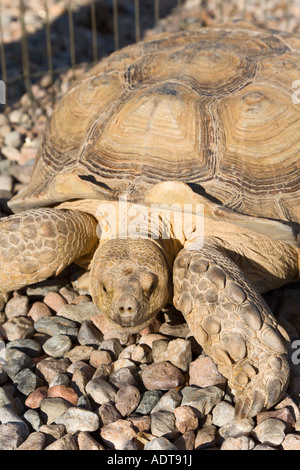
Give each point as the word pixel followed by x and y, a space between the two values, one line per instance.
pixel 39 243
pixel 234 325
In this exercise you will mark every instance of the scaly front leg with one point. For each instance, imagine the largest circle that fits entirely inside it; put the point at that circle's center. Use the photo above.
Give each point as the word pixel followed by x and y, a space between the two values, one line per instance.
pixel 234 326
pixel 39 243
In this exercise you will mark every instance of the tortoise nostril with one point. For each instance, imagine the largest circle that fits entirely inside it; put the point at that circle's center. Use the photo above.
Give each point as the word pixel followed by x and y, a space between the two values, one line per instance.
pixel 127 305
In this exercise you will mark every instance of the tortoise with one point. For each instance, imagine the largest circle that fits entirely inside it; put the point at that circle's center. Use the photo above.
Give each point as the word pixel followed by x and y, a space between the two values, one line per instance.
pixel 199 122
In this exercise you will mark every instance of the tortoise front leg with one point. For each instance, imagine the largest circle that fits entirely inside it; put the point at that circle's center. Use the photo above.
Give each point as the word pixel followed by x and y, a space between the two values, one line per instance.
pixel 234 326
pixel 39 243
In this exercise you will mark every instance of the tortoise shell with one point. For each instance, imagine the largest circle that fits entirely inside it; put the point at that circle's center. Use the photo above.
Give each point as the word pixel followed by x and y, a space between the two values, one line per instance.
pixel 212 108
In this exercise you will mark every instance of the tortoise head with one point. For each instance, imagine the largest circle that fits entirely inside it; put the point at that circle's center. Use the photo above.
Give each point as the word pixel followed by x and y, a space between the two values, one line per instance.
pixel 130 282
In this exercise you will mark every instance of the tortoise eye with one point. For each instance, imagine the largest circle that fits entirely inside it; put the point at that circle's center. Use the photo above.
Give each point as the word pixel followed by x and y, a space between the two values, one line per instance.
pixel 104 288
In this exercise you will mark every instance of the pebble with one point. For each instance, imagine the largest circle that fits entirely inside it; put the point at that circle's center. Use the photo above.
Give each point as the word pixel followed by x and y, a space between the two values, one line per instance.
pixel 115 435
pixel 56 326
pixel 148 401
pixel 168 402
pixel 52 408
pixel 31 347
pixel 79 353
pixel 35 441
pixel 27 381
pixel 162 376
pixel 13 139
pixel 238 443
pixel 17 328
pixel 203 399
pixel 108 414
pixel 38 310
pixel 185 441
pixel 55 301
pixel 10 436
pixel 9 416
pixel 206 437
pixel 67 442
pixel 101 391
pixel 57 345
pixel 270 432
pixel 51 367
pixel 160 443
pixel 203 372
pixel 291 442
pixel 18 306
pixel 84 311
pixel 159 350
pixel 237 428
pixel 89 335
pixel 15 362
pixel 121 376
pixel 77 419
pixel 179 353
pixel 34 398
pixel 284 414
pixel 127 399
pixel 163 424
pixel 100 357
pixel 62 391
pixel 33 419
pixel 52 432
pixel 112 345
pixel 185 419
pixel 223 413
pixel 86 442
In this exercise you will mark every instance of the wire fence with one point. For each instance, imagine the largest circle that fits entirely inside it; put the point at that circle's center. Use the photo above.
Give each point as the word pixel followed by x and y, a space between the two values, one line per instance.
pixel 282 13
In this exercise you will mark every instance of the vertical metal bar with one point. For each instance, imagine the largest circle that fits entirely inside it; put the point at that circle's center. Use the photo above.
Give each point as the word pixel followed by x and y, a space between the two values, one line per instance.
pixel 156 13
pixel 48 41
pixel 25 54
pixel 71 34
pixel 179 11
pixel 94 31
pixel 116 24
pixel 137 20
pixel 2 49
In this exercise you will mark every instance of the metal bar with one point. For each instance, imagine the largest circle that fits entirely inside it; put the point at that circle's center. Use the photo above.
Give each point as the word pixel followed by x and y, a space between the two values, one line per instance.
pixel 179 12
pixel 71 34
pixel 137 20
pixel 2 49
pixel 48 41
pixel 156 13
pixel 116 24
pixel 94 31
pixel 25 54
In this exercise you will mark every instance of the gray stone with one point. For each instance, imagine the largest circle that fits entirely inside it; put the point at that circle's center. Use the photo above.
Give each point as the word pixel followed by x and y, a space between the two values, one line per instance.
pixel 238 443
pixel 81 312
pixel 26 381
pixel 237 428
pixel 108 414
pixel 7 415
pixel 31 347
pixel 160 443
pixel 223 413
pixel 270 432
pixel 57 326
pixel 13 139
pixel 57 345
pixel 52 408
pixel 15 361
pixel 163 424
pixel 10 436
pixel 33 418
pixel 77 419
pixel 149 399
pixel 89 335
pixel 101 391
pixel 203 399
pixel 67 442
pixel 113 345
pixel 168 402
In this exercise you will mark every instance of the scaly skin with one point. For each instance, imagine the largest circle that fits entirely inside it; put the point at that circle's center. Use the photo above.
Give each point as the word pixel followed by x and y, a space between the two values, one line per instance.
pixel 233 324
pixel 39 243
